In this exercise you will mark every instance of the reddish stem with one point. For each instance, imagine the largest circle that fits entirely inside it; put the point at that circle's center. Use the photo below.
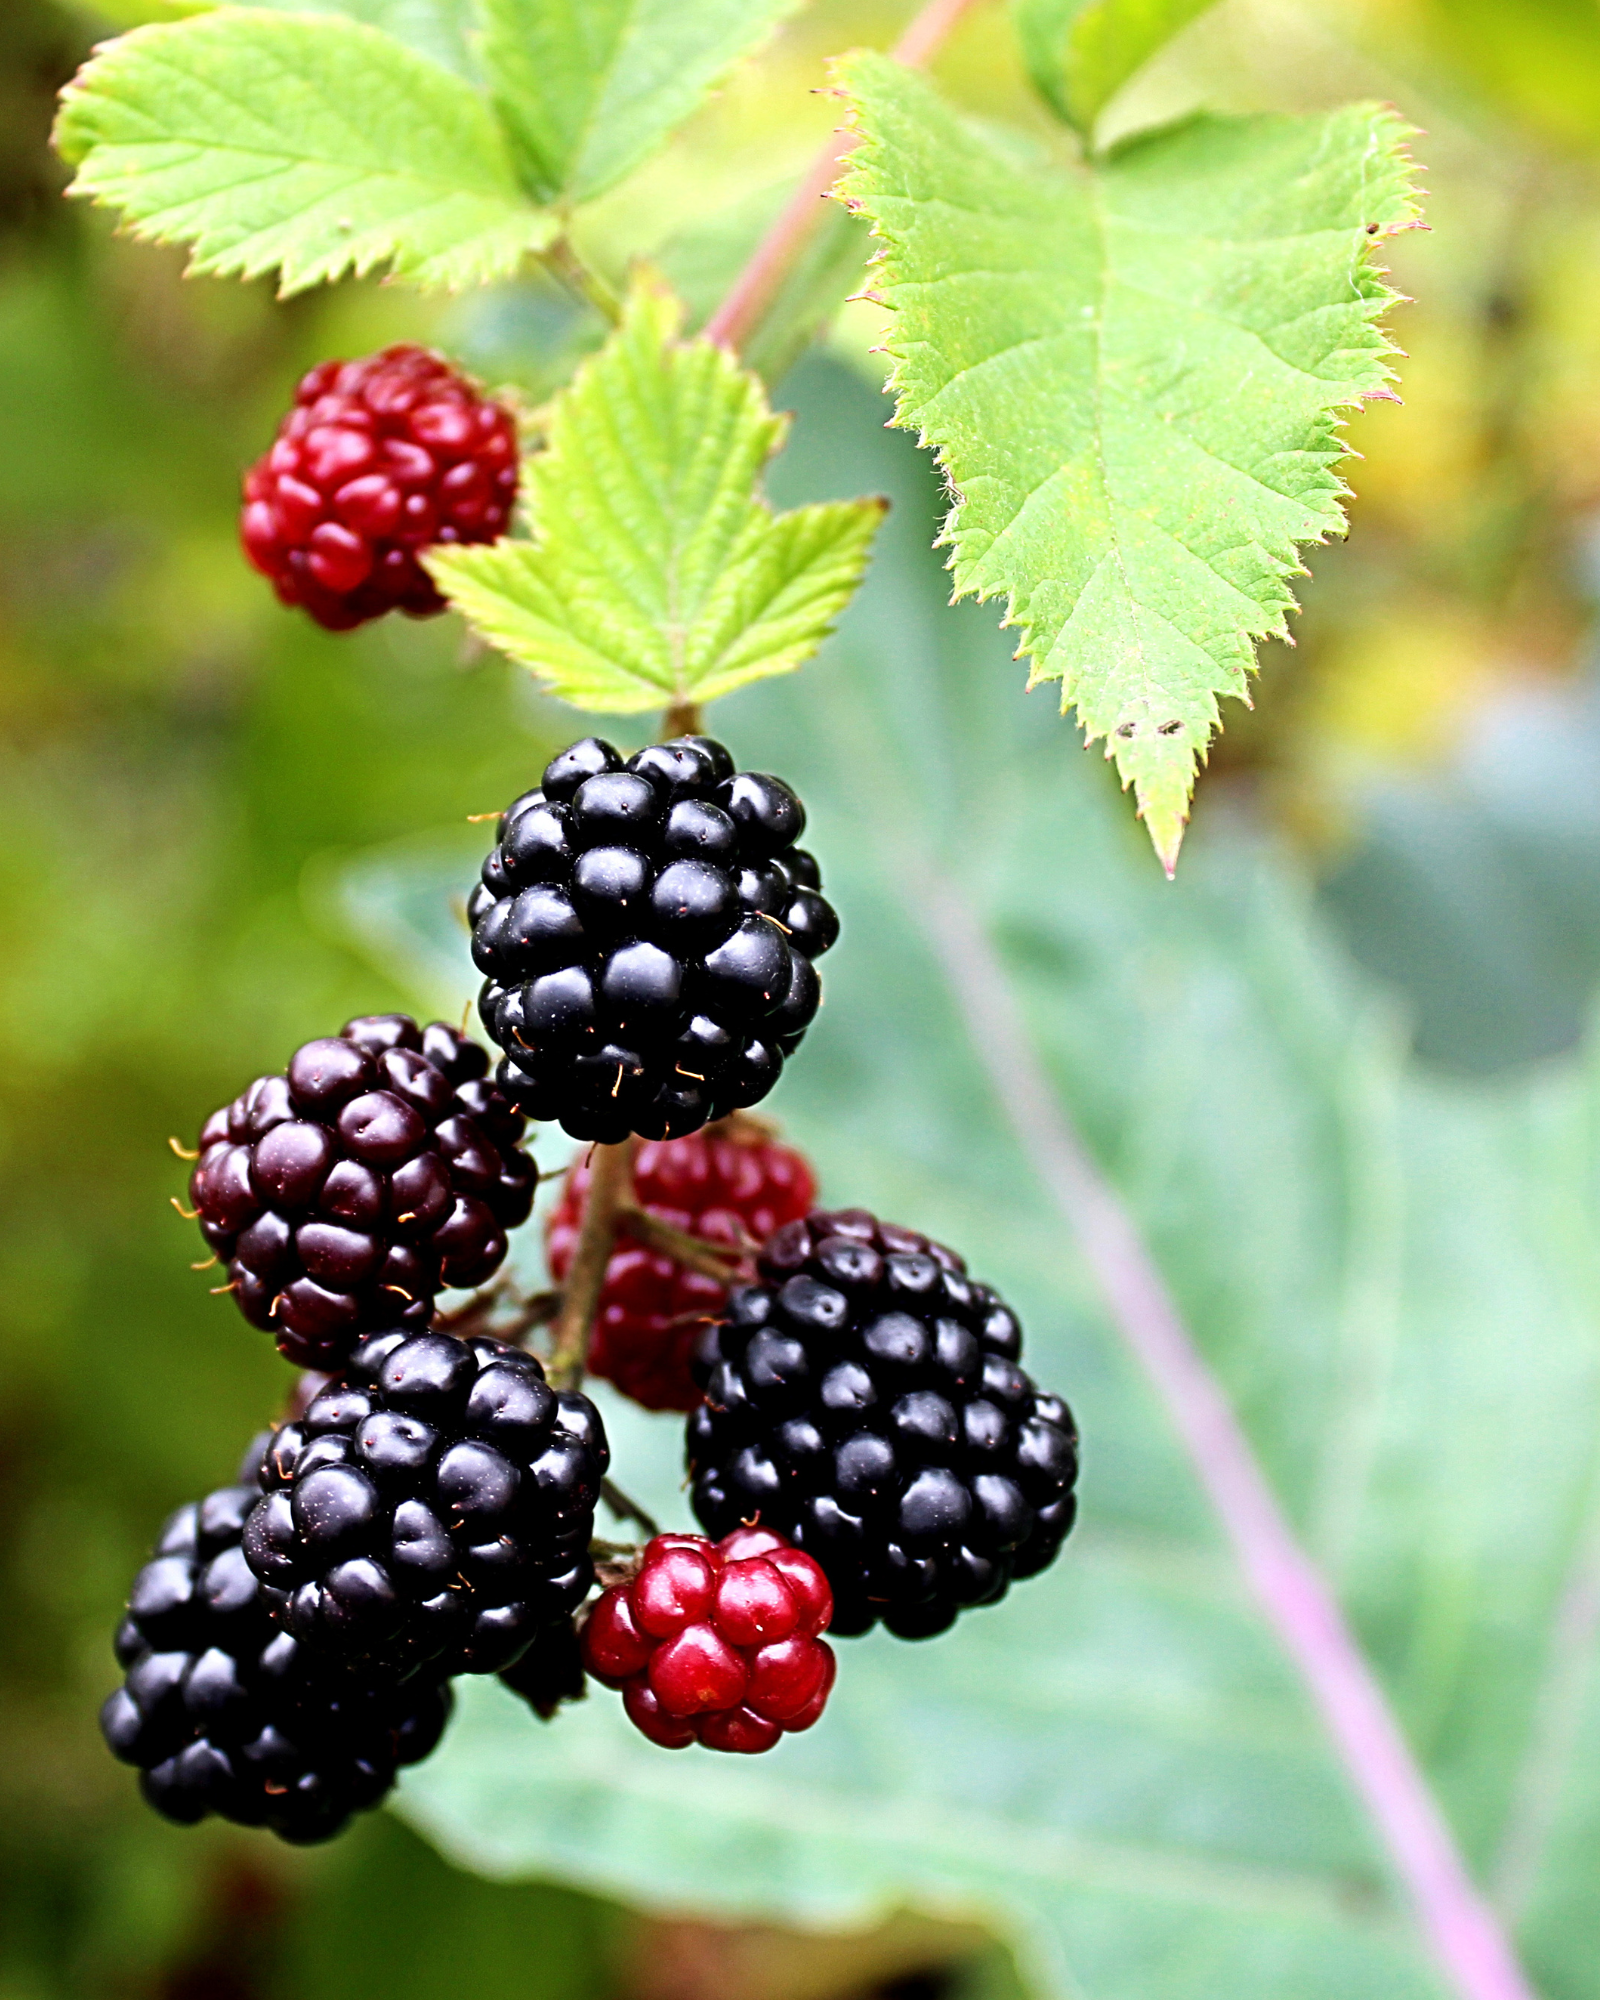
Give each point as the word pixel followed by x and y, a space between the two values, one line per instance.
pixel 1462 1929
pixel 776 255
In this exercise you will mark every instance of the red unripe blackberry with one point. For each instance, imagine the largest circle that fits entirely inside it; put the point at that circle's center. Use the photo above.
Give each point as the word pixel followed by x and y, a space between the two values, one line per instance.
pixel 730 1184
pixel 382 1168
pixel 377 460
pixel 716 1643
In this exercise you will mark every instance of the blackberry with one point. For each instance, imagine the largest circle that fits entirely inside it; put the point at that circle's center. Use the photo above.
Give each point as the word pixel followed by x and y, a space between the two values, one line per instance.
pixel 343 1195
pixel 378 460
pixel 432 1510
pixel 647 930
pixel 716 1643
pixel 734 1185
pixel 550 1672
pixel 223 1713
pixel 864 1400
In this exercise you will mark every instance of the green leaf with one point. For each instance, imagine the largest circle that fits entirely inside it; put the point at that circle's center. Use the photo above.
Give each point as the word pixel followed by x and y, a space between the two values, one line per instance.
pixel 657 573
pixel 1132 374
pixel 1080 53
pixel 589 88
pixel 437 29
pixel 305 144
pixel 1391 1273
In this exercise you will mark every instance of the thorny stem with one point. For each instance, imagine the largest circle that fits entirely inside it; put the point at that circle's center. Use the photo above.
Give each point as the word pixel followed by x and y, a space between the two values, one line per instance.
pixel 776 255
pixel 610 1187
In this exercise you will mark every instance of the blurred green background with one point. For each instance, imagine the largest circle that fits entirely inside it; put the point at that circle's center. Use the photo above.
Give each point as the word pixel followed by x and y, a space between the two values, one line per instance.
pixel 179 759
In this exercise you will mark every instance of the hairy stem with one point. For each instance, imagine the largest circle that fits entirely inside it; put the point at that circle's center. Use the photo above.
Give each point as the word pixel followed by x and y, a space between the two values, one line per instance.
pixel 610 1188
pixel 776 255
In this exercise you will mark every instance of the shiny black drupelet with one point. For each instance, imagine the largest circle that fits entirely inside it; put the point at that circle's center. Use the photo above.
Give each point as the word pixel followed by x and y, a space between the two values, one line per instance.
pixel 647 930
pixel 865 1401
pixel 432 1510
pixel 223 1713
pixel 342 1196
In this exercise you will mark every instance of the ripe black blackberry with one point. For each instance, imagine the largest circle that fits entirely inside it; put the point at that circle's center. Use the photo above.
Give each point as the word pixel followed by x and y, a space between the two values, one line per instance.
pixel 223 1713
pixel 432 1510
pixel 865 1401
pixel 343 1195
pixel 551 1671
pixel 647 930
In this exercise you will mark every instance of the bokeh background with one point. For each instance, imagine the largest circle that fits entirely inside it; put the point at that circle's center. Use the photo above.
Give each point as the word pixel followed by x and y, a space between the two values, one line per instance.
pixel 188 774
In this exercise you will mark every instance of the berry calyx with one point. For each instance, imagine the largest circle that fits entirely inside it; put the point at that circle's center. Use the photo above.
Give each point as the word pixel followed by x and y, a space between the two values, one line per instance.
pixel 646 930
pixel 717 1643
pixel 432 1510
pixel 342 1196
pixel 223 1713
pixel 378 460
pixel 864 1400
pixel 731 1184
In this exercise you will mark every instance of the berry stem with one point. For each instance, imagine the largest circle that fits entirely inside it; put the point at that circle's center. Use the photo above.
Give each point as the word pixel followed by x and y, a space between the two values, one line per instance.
pixel 624 1508
pixel 610 1189
pixel 776 255
pixel 681 719
pixel 695 1253
pixel 581 278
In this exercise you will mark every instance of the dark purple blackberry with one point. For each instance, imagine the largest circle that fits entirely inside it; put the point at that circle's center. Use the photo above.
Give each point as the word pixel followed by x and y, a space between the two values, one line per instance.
pixel 342 1196
pixel 431 1511
pixel 223 1713
pixel 865 1401
pixel 647 929
pixel 551 1671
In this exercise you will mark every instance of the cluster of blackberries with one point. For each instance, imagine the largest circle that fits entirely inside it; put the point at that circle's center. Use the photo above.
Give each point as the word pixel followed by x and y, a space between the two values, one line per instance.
pixel 865 1400
pixel 291 1642
pixel 342 1196
pixel 647 930
pixel 223 1712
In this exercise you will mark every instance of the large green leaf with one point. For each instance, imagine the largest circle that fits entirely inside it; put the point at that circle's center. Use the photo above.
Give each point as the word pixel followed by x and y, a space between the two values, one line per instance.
pixel 589 88
pixel 657 572
pixel 1393 1276
pixel 437 29
pixel 1132 374
pixel 1081 52
pixel 307 144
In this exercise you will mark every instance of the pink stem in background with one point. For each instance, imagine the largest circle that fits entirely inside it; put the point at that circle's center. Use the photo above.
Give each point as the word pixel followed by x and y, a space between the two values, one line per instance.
pixel 1463 1931
pixel 775 256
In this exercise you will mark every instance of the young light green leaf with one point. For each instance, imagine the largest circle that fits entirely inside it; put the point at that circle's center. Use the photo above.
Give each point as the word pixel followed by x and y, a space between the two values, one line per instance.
pixel 657 573
pixel 305 144
pixel 588 88
pixel 1080 53
pixel 437 29
pixel 1132 374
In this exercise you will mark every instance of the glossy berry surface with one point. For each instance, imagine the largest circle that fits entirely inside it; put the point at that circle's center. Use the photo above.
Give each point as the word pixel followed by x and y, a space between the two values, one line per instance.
pixel 223 1713
pixel 647 930
pixel 716 1643
pixel 865 1401
pixel 727 1186
pixel 378 460
pixel 431 1510
pixel 342 1196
